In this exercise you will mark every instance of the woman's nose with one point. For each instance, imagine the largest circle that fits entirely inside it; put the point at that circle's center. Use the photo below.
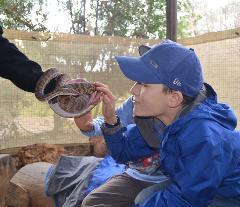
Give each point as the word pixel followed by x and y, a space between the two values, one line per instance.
pixel 135 89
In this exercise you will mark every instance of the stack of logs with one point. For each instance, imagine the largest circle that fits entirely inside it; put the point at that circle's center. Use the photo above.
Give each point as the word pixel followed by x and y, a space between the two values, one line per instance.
pixel 26 188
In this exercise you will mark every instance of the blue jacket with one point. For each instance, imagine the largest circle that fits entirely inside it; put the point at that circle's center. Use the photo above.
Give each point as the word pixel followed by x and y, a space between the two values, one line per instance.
pixel 125 113
pixel 127 144
pixel 200 152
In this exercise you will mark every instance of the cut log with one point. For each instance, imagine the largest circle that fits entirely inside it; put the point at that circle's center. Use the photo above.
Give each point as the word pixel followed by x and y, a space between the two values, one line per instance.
pixel 50 153
pixel 7 170
pixel 26 188
pixel 99 146
pixel 38 153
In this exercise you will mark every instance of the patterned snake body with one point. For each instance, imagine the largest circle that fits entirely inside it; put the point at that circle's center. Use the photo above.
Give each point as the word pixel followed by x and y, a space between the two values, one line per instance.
pixel 73 98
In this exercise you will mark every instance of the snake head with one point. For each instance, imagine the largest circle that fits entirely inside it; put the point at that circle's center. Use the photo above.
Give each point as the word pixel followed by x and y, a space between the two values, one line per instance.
pixel 82 85
pixel 75 98
pixel 70 97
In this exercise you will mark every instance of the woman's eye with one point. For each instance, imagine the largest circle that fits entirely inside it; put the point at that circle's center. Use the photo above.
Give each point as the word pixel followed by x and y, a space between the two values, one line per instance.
pixel 139 83
pixel 143 84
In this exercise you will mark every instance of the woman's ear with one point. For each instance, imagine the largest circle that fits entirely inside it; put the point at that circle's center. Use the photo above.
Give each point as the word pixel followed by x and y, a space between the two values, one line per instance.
pixel 175 99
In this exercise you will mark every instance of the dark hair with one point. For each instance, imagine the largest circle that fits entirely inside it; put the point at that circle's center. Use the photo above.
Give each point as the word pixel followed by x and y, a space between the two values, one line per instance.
pixel 186 99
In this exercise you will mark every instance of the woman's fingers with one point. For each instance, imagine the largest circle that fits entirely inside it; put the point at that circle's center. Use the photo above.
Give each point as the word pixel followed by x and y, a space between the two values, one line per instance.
pixel 108 108
pixel 106 99
pixel 84 122
pixel 106 91
pixel 95 98
pixel 108 102
pixel 98 84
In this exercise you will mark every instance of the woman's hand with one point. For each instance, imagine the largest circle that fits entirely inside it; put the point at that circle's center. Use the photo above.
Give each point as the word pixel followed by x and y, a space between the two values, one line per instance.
pixel 84 122
pixel 108 103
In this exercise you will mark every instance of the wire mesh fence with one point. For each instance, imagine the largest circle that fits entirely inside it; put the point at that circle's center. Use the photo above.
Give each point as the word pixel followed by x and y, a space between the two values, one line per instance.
pixel 24 120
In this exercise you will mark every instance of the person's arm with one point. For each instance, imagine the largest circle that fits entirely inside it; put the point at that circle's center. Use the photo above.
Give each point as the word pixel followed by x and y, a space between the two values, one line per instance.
pixel 199 170
pixel 126 143
pixel 16 67
pixel 94 129
pixel 124 112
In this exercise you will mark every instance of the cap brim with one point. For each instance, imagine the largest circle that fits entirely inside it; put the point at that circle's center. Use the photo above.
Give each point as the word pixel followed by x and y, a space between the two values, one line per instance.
pixel 135 69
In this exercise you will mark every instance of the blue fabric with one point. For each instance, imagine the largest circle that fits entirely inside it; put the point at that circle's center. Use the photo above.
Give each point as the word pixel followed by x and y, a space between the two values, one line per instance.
pixel 124 112
pixel 166 63
pixel 72 178
pixel 225 202
pixel 67 181
pixel 107 168
pixel 156 177
pixel 46 180
pixel 200 152
pixel 218 201
pixel 122 145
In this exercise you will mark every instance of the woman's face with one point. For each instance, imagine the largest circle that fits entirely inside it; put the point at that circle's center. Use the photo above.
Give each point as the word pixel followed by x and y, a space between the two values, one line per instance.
pixel 149 99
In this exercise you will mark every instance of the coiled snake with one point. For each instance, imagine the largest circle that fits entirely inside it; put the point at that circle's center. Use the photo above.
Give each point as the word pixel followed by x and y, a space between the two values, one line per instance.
pixel 69 98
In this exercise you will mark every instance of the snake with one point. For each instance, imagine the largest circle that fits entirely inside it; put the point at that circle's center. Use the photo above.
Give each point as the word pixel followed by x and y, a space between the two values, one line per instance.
pixel 74 98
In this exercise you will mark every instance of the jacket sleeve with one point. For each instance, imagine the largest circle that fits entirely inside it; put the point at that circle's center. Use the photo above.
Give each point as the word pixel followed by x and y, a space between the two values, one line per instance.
pixel 127 144
pixel 124 112
pixel 16 67
pixel 199 171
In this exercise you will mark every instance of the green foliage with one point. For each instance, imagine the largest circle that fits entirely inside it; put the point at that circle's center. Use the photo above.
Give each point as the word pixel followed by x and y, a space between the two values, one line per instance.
pixel 18 14
pixel 76 9
pixel 135 18
pixel 115 17
pixel 144 19
pixel 187 18
pixel 151 19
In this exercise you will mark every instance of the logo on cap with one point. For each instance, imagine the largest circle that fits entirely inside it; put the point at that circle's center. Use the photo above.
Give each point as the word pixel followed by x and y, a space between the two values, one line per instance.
pixel 177 82
pixel 154 64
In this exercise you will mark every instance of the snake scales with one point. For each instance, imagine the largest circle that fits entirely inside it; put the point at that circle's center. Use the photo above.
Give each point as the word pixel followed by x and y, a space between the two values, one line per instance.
pixel 72 98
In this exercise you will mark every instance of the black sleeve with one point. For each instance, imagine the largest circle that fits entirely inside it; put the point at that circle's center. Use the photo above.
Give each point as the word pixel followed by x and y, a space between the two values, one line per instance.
pixel 16 67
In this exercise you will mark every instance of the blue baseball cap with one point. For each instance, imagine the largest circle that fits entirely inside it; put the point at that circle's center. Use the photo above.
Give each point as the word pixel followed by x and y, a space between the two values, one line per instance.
pixel 166 63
